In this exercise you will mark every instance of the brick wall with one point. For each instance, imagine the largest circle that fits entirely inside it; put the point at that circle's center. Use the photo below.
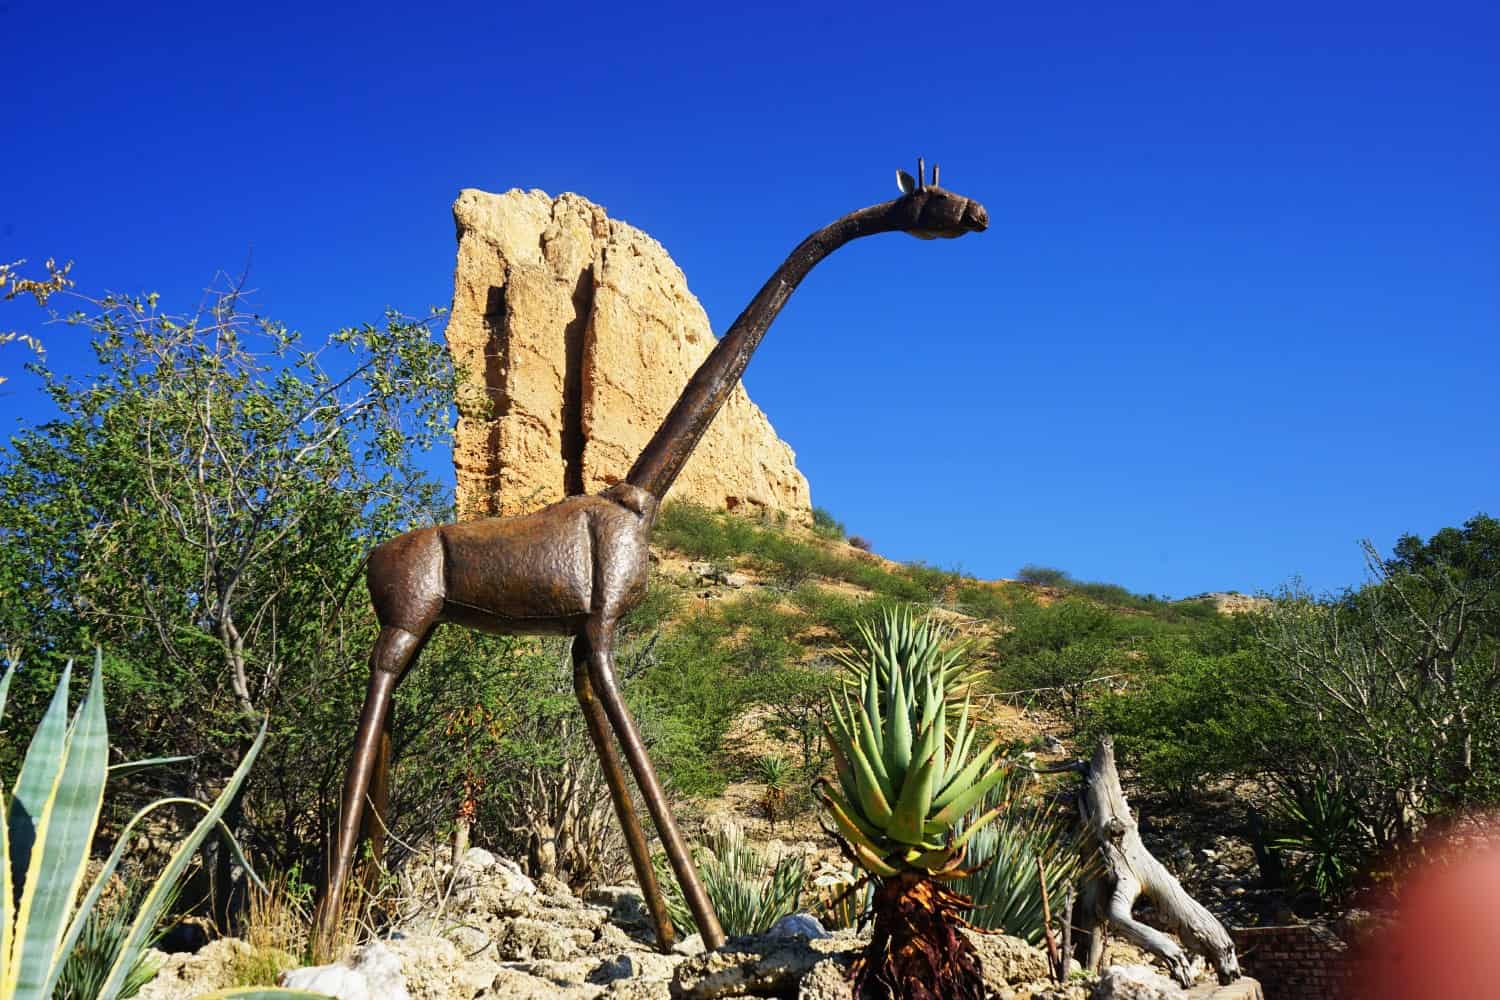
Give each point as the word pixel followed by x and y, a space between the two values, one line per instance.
pixel 1298 962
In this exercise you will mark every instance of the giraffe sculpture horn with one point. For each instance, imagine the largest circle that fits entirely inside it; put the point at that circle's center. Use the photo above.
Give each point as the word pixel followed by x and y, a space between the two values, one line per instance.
pixel 934 175
pixel 921 175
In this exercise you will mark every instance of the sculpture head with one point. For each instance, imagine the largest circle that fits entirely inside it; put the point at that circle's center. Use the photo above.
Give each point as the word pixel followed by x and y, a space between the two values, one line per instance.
pixel 928 212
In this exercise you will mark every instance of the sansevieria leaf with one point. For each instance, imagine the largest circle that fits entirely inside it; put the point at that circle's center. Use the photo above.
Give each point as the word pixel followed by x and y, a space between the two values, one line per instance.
pixel 64 830
pixel 151 906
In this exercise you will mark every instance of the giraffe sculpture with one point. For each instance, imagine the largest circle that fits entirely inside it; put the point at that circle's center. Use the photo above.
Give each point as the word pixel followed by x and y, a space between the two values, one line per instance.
pixel 575 567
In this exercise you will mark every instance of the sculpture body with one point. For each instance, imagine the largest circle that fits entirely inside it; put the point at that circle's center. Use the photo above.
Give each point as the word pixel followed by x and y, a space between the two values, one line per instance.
pixel 576 567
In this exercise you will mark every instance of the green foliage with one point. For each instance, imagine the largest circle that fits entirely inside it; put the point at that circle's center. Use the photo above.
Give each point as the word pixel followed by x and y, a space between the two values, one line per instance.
pixel 716 536
pixel 1043 576
pixel 774 771
pixel 196 506
pixel 51 815
pixel 1320 827
pixel 825 525
pixel 747 891
pixel 1194 712
pixel 1005 885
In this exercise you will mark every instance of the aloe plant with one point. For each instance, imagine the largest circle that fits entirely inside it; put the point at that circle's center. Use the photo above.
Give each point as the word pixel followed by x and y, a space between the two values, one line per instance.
pixel 908 776
pixel 50 815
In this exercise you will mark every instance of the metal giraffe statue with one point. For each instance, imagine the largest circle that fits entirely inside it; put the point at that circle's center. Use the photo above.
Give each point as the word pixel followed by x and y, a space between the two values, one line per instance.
pixel 575 567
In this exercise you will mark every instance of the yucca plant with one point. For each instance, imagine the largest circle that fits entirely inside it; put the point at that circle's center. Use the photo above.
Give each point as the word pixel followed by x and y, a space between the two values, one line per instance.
pixel 1005 887
pixel 748 892
pixel 50 815
pixel 1321 826
pixel 907 778
pixel 775 773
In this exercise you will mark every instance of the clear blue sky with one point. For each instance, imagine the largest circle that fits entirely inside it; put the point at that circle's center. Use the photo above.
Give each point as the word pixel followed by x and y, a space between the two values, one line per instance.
pixel 1237 309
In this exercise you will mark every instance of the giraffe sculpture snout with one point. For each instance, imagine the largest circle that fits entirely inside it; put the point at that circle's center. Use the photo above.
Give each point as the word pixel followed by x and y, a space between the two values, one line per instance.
pixel 976 219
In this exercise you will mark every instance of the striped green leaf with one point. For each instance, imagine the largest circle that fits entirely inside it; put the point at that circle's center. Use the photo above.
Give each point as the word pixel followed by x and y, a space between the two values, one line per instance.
pixel 64 830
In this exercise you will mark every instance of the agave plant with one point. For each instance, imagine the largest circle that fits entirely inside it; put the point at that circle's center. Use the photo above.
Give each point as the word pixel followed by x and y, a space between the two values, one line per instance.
pixel 50 815
pixel 747 891
pixel 1005 886
pixel 907 778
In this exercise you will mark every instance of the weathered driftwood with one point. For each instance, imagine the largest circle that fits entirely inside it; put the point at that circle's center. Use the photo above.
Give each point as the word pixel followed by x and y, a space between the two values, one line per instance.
pixel 1131 872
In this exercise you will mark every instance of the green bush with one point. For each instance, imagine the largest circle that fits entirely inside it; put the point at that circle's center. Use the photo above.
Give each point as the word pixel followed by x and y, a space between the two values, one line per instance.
pixel 826 525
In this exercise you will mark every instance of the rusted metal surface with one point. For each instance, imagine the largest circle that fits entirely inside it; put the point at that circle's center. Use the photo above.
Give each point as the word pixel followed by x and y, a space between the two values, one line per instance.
pixel 576 567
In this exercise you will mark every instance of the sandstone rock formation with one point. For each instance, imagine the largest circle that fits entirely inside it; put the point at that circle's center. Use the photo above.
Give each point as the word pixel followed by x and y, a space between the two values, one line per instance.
pixel 576 333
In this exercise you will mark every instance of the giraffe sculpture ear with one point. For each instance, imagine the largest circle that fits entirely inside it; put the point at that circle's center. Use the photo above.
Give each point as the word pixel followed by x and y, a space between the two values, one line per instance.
pixel 905 182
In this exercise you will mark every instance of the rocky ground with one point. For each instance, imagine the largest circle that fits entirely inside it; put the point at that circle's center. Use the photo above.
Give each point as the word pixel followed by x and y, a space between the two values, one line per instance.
pixel 494 933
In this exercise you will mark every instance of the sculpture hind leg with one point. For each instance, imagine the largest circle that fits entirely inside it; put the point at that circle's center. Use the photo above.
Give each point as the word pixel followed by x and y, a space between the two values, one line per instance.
pixel 600 635
pixel 614 777
pixel 392 654
pixel 379 802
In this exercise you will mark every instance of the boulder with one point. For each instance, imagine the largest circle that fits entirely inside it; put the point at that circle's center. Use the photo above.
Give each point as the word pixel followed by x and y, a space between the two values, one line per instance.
pixel 1008 960
pixel 576 333
pixel 186 975
pixel 1135 982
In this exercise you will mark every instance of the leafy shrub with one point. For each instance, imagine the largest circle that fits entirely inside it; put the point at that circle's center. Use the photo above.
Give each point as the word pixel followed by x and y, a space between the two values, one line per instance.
pixel 860 542
pixel 825 525
pixel 1043 576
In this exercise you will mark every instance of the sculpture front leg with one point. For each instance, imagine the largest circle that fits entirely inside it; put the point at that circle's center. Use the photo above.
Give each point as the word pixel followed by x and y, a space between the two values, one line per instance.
pixel 602 673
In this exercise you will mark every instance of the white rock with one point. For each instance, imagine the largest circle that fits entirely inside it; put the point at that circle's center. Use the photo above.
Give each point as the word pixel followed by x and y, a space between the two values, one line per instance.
pixel 798 924
pixel 373 973
pixel 1135 982
pixel 477 859
pixel 514 880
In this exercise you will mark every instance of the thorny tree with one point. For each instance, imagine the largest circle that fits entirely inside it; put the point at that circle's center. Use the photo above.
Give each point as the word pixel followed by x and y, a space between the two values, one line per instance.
pixel 195 505
pixel 1399 681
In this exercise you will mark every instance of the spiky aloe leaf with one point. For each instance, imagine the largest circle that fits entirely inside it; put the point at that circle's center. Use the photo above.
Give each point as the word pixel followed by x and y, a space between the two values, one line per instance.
pixel 960 748
pixel 150 911
pixel 898 734
pixel 872 710
pixel 950 813
pixel 872 862
pixel 871 796
pixel 964 780
pixel 869 746
pixel 910 813
pixel 64 829
pixel 846 819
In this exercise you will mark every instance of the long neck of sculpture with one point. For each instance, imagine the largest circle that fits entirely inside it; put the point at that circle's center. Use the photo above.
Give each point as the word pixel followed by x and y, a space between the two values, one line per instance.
pixel 708 390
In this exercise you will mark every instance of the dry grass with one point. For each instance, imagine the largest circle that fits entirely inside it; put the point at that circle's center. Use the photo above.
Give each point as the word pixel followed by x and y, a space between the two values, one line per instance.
pixel 277 921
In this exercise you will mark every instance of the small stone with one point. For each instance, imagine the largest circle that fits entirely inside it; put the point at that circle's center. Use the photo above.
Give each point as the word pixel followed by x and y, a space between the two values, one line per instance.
pixel 798 925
